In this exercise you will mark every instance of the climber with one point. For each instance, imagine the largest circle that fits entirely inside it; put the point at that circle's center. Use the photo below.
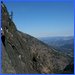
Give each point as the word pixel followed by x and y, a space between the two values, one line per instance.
pixel 2 36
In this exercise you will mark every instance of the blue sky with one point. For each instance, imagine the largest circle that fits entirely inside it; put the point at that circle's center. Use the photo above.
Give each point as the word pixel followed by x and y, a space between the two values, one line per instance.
pixel 43 19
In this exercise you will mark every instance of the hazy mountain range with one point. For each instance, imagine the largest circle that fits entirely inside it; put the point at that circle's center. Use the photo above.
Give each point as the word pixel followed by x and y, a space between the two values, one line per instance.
pixel 62 44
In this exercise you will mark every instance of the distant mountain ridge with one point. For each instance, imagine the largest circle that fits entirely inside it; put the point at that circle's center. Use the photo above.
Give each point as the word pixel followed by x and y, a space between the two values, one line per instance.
pixel 23 53
pixel 57 40
pixel 63 44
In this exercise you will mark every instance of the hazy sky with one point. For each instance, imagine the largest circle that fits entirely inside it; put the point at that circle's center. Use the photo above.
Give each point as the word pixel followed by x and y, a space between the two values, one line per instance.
pixel 48 18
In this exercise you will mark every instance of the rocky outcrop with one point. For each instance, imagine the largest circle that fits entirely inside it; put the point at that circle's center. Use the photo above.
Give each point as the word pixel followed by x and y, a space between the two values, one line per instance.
pixel 23 53
pixel 69 69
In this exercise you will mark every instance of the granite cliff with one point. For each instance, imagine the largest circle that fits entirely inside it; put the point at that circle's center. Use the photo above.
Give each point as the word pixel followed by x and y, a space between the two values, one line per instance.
pixel 22 53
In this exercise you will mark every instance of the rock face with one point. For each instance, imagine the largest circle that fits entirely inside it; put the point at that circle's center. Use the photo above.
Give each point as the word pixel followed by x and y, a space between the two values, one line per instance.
pixel 69 68
pixel 23 53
